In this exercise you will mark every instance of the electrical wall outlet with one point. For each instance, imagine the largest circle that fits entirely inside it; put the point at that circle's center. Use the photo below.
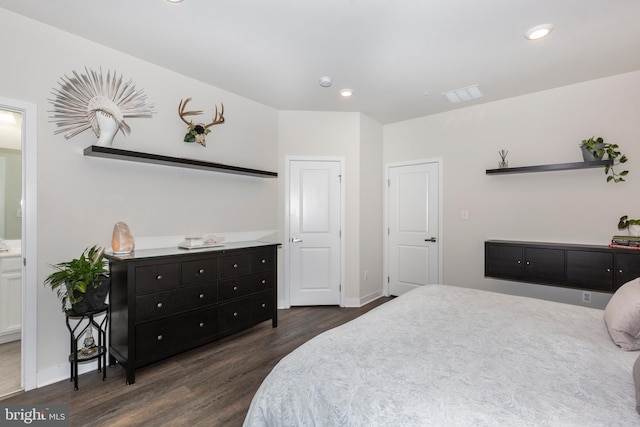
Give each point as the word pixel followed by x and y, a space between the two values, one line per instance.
pixel 586 297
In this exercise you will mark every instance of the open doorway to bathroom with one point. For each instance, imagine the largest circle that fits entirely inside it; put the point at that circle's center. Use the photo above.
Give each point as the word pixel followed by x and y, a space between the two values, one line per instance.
pixel 10 251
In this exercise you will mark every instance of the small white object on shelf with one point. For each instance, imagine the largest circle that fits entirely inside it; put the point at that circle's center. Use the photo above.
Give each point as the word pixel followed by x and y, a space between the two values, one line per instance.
pixel 199 242
pixel 191 242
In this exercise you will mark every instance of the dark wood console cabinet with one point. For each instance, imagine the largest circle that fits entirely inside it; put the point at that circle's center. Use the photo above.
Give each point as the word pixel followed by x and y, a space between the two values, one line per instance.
pixel 590 267
pixel 166 301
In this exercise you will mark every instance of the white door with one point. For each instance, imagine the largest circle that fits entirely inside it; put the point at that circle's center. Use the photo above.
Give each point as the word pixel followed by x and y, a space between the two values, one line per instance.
pixel 413 217
pixel 314 232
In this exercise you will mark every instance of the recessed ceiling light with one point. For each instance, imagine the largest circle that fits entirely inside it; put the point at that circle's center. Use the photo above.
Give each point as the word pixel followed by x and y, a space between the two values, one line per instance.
pixel 539 31
pixel 346 93
pixel 325 81
pixel 174 1
pixel 464 94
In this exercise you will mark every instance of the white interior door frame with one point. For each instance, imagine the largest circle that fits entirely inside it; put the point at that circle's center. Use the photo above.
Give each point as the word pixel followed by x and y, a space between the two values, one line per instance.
pixel 287 230
pixel 385 234
pixel 29 237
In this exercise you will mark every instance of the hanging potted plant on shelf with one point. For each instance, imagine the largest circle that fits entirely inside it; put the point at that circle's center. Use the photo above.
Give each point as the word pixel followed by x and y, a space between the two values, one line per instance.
pixel 632 225
pixel 596 149
pixel 81 284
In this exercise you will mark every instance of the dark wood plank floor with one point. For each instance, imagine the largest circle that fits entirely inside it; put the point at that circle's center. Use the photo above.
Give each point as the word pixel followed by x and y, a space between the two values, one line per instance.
pixel 210 386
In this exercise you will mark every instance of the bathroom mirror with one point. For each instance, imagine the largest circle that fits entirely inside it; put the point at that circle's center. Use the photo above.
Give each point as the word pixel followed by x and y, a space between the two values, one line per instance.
pixel 10 175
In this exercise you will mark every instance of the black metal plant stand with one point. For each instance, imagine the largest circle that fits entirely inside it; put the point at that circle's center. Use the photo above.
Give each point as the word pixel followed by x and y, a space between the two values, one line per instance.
pixel 86 324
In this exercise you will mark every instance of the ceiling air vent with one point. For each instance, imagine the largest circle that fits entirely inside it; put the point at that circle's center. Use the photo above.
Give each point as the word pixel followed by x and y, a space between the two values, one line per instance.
pixel 464 94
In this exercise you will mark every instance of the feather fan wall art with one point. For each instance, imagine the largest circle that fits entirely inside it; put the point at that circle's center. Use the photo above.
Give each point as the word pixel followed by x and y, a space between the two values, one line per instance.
pixel 89 101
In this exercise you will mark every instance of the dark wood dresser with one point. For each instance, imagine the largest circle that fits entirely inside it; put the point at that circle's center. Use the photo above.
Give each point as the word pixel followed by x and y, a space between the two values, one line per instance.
pixel 166 301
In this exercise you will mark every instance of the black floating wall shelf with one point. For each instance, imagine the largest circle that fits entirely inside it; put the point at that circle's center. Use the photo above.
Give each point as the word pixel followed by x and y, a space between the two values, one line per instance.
pixel 157 159
pixel 548 168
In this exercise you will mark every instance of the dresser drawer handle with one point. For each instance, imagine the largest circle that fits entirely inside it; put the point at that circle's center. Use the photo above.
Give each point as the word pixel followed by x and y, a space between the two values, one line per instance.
pixel 235 288
pixel 159 277
pixel 201 325
pixel 201 296
pixel 159 305
pixel 235 265
pixel 235 314
pixel 201 271
pixel 264 261
pixel 264 305
pixel 264 281
pixel 159 337
pixel 620 271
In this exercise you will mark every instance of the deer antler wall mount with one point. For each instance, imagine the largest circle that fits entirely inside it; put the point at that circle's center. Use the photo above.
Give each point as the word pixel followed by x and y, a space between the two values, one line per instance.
pixel 198 132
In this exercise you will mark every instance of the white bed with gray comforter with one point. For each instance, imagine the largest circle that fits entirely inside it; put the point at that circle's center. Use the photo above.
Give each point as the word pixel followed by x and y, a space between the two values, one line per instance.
pixel 448 356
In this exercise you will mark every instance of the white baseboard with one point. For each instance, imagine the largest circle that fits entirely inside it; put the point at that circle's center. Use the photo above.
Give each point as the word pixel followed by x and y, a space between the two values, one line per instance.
pixel 12 336
pixel 359 302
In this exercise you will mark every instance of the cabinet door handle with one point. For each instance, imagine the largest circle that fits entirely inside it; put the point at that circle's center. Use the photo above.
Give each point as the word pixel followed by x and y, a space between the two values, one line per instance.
pixel 159 305
pixel 201 296
pixel 620 271
pixel 201 271
pixel 201 325
pixel 519 262
pixel 235 265
pixel 264 281
pixel 608 270
pixel 159 337
pixel 159 277
pixel 235 314
pixel 264 261
pixel 264 305
pixel 235 288
pixel 528 263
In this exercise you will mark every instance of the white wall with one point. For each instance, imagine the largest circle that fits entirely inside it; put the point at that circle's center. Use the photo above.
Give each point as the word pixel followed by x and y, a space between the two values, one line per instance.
pixel 371 209
pixel 356 138
pixel 81 198
pixel 576 206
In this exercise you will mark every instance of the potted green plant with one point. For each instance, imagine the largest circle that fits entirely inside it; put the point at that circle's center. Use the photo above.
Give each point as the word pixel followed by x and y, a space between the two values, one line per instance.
pixel 81 284
pixel 597 149
pixel 633 225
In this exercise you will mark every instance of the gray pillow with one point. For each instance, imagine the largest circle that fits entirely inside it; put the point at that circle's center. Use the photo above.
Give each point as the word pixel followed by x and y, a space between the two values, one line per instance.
pixel 636 380
pixel 622 316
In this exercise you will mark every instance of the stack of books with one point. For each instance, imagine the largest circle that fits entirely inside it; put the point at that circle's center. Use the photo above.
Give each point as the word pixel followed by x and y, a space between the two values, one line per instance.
pixel 626 242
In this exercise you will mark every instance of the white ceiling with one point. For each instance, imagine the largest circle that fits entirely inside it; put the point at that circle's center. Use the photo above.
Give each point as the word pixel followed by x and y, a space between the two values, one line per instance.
pixel 398 56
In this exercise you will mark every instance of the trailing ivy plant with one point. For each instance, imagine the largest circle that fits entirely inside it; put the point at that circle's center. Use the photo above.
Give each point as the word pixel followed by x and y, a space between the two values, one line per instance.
pixel 606 151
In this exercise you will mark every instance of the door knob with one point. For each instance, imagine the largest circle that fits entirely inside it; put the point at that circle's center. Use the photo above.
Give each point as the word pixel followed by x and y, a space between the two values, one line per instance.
pixel 431 239
pixel 295 240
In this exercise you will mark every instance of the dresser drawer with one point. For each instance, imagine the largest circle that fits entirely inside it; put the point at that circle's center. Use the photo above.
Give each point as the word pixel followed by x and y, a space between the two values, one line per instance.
pixel 199 271
pixel 235 265
pixel 160 304
pixel 262 260
pixel 165 337
pixel 159 277
pixel 239 313
pixel 245 285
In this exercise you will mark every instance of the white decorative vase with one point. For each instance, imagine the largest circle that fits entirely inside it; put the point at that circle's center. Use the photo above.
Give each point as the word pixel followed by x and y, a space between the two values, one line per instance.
pixel 108 128
pixel 634 230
